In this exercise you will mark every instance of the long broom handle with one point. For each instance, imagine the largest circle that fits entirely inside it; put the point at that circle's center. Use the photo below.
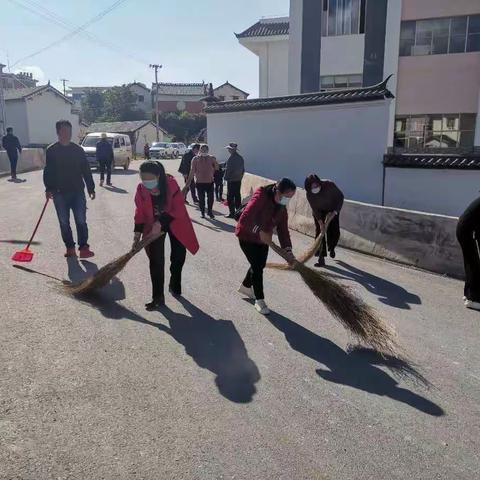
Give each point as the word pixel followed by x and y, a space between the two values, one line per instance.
pixel 38 223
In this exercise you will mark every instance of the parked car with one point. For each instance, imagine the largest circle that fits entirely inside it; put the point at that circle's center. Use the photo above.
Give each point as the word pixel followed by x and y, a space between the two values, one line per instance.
pixel 122 149
pixel 158 150
pixel 180 149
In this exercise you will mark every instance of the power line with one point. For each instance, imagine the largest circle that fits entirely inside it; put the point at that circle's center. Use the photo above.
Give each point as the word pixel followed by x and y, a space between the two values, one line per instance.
pixel 156 67
pixel 64 81
pixel 52 17
pixel 76 31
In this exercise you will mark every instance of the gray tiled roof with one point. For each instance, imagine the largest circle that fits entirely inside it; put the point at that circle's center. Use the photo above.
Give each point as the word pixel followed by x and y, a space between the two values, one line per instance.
pixel 19 93
pixel 180 88
pixel 433 161
pixel 376 92
pixel 118 127
pixel 265 29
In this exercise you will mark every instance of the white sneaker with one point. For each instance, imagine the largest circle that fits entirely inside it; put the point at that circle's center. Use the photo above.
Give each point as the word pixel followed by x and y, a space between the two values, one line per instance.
pixel 261 307
pixel 472 305
pixel 246 292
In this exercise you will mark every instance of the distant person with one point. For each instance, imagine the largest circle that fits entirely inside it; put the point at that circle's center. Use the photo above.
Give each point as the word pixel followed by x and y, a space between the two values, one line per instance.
pixel 146 151
pixel 12 145
pixel 235 169
pixel 468 235
pixel 218 180
pixel 265 211
pixel 186 166
pixel 160 207
pixel 326 201
pixel 65 175
pixel 105 159
pixel 203 171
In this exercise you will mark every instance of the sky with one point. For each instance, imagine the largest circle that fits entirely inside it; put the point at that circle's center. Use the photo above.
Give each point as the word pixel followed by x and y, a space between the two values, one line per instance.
pixel 193 39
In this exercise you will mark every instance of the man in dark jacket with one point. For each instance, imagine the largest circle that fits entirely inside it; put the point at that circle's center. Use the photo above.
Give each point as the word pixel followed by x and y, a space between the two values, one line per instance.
pixel 104 155
pixel 65 175
pixel 12 145
pixel 185 167
pixel 468 235
pixel 235 169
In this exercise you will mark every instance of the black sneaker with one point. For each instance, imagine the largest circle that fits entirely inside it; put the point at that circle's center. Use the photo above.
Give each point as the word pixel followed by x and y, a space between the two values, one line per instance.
pixel 321 262
pixel 332 253
pixel 211 215
pixel 155 304
pixel 230 215
pixel 202 215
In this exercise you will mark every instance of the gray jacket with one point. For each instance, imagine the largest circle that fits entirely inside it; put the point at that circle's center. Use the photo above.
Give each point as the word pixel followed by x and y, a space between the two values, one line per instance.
pixel 235 168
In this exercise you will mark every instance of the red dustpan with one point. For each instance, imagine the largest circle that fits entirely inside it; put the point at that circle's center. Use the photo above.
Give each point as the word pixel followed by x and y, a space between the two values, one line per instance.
pixel 26 254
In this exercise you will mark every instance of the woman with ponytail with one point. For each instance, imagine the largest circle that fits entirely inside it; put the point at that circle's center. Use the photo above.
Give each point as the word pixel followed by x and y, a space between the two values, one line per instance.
pixel 160 208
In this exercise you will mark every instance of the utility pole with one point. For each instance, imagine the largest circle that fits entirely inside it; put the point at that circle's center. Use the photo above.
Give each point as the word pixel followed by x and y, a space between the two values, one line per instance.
pixel 3 114
pixel 156 67
pixel 64 81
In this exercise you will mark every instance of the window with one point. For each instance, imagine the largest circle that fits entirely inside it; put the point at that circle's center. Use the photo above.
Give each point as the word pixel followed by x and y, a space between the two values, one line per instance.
pixel 440 36
pixel 222 98
pixel 127 141
pixel 341 81
pixel 141 98
pixel 122 141
pixel 235 97
pixel 424 132
pixel 116 144
pixel 343 17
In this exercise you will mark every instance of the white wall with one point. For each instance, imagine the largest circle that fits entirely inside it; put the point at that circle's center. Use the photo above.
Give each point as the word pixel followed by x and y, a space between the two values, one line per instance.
pixel 343 142
pixel 295 47
pixel 148 134
pixel 16 113
pixel 277 68
pixel 146 105
pixel 341 55
pixel 228 91
pixel 43 112
pixel 445 192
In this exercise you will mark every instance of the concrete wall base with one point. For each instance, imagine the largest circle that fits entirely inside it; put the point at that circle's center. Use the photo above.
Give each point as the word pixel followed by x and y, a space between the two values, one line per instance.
pixel 30 159
pixel 422 240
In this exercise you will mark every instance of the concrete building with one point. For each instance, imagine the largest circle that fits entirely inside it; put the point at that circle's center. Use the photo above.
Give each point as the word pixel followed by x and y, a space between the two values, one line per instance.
pixel 18 80
pixel 139 131
pixel 33 112
pixel 187 97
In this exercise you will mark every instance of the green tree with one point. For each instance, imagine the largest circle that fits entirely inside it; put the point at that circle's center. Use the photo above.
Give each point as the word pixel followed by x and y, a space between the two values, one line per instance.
pixel 92 105
pixel 183 127
pixel 119 106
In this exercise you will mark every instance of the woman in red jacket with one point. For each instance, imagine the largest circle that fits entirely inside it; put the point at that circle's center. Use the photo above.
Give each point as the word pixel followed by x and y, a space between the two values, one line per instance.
pixel 266 210
pixel 160 206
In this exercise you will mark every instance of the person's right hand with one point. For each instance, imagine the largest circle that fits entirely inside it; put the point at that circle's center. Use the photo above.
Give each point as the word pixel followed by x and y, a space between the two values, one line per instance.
pixel 321 223
pixel 49 195
pixel 156 229
pixel 136 240
pixel 266 238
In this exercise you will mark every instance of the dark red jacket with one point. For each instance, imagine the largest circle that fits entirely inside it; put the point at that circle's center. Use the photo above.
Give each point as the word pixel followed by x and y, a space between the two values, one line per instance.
pixel 262 213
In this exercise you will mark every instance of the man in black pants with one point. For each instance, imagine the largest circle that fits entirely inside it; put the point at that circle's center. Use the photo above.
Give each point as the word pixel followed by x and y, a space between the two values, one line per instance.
pixel 468 234
pixel 235 169
pixel 12 145
pixel 185 167
pixel 105 159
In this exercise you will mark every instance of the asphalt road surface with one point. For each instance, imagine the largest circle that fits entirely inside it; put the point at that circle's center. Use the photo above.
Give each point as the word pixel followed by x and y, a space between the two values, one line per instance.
pixel 208 388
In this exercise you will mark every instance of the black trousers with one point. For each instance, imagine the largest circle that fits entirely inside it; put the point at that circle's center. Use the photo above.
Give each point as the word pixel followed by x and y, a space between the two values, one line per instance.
pixel 219 191
pixel 257 257
pixel 105 165
pixel 468 238
pixel 234 196
pixel 193 191
pixel 13 158
pixel 333 234
pixel 156 254
pixel 205 190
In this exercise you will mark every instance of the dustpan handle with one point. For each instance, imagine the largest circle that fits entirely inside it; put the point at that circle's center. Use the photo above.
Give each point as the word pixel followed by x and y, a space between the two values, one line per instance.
pixel 38 223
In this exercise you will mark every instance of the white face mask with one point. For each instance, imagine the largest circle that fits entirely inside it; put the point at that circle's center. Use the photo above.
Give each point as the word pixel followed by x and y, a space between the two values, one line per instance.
pixel 316 190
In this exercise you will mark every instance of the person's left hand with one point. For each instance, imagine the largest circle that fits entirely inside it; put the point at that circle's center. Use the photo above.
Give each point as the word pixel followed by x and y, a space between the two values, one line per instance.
pixel 290 257
pixel 92 196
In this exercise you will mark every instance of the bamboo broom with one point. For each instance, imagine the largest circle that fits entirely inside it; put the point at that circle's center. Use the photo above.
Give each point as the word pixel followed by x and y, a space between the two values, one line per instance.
pixel 109 271
pixel 308 254
pixel 354 314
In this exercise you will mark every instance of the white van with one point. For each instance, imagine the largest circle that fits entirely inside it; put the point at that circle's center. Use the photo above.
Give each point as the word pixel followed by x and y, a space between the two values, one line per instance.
pixel 122 148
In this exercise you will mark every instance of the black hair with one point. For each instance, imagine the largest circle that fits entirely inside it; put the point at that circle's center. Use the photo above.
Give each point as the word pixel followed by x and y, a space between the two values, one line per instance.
pixel 285 185
pixel 62 123
pixel 195 145
pixel 9 129
pixel 157 169
pixel 310 180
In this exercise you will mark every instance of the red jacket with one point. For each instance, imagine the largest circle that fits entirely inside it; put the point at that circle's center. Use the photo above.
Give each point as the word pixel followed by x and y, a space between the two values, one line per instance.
pixel 181 225
pixel 262 213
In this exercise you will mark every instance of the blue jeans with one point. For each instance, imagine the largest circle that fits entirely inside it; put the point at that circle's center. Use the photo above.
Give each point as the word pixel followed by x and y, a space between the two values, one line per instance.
pixel 76 202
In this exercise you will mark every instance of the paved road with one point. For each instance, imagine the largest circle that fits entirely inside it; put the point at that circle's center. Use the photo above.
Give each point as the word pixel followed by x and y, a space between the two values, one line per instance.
pixel 208 389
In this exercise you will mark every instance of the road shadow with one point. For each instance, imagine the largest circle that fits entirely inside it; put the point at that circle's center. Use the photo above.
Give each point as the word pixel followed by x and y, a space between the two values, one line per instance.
pixel 388 293
pixel 113 189
pixel 20 242
pixel 205 225
pixel 216 346
pixel 17 180
pixel 223 226
pixel 354 371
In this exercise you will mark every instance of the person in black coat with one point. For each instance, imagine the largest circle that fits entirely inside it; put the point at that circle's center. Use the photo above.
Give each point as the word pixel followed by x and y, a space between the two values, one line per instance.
pixel 105 159
pixel 185 167
pixel 12 145
pixel 468 235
